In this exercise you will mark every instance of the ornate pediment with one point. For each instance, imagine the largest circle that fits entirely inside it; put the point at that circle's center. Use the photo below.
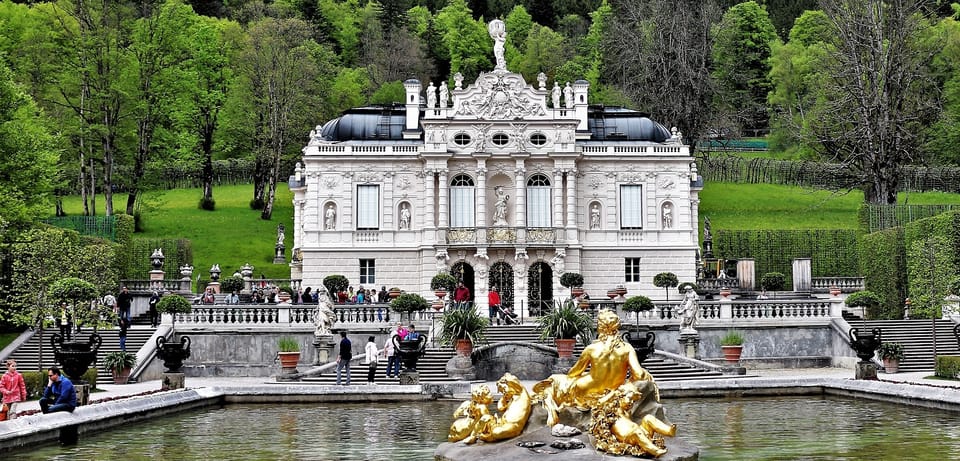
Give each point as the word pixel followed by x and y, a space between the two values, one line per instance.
pixel 499 95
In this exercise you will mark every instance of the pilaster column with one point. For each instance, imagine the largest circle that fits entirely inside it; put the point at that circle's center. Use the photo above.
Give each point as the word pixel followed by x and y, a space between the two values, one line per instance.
pixel 389 207
pixel 480 218
pixel 430 199
pixel 571 198
pixel 557 198
pixel 520 213
pixel 444 222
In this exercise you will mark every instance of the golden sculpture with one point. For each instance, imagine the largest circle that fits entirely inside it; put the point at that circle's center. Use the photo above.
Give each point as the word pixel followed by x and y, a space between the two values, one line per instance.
pixel 615 431
pixel 469 413
pixel 514 409
pixel 611 362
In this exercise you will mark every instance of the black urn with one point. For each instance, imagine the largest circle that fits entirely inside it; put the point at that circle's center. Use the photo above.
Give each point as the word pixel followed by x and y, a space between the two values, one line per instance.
pixel 172 353
pixel 75 357
pixel 865 344
pixel 410 351
pixel 643 344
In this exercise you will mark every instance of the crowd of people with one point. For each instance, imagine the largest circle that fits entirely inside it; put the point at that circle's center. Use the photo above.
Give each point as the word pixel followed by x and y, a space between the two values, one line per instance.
pixel 373 355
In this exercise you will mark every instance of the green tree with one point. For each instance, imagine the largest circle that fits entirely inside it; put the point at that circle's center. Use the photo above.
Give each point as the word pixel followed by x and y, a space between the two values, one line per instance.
pixel 542 52
pixel 741 52
pixel 466 43
pixel 666 280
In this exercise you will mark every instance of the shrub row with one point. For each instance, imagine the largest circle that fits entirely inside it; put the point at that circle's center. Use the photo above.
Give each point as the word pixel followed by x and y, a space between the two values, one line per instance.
pixel 883 264
pixel 948 366
pixel 134 260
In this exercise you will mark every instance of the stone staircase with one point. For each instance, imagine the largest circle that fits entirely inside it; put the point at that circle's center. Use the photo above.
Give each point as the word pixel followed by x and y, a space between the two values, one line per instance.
pixel 916 336
pixel 27 354
pixel 432 366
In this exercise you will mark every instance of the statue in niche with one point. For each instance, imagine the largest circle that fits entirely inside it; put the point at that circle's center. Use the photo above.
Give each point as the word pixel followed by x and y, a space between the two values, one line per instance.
pixel 500 213
pixel 568 96
pixel 444 95
pixel 555 96
pixel 667 217
pixel 595 217
pixel 498 32
pixel 431 96
pixel 404 217
pixel 330 218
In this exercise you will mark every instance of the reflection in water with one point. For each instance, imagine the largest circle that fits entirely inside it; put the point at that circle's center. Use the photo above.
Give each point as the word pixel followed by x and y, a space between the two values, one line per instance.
pixel 791 428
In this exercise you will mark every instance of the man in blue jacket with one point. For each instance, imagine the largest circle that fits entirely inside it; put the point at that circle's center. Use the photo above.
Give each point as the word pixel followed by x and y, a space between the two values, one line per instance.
pixel 59 395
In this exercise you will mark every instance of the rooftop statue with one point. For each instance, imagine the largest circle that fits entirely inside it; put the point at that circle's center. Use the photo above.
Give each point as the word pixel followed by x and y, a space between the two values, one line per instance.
pixel 498 32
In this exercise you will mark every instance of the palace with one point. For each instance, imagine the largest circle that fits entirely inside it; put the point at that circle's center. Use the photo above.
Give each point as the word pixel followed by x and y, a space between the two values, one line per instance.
pixel 502 184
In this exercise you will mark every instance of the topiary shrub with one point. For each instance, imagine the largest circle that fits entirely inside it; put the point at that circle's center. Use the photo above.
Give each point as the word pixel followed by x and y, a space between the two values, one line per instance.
pixel 230 284
pixel 208 204
pixel 948 367
pixel 571 279
pixel 335 283
pixel 256 204
pixel 409 302
pixel 443 281
pixel 773 281
pixel 665 280
pixel 638 304
pixel 866 299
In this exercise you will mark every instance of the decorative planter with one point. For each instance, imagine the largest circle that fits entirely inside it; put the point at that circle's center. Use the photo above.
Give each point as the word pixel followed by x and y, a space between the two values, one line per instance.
pixel 642 344
pixel 732 353
pixel 437 305
pixel 283 296
pixel 621 290
pixel 121 377
pixel 835 291
pixel 612 293
pixel 288 361
pixel 865 344
pixel 464 347
pixel 565 347
pixel 576 292
pixel 724 292
pixel 410 351
pixel 173 354
pixel 584 304
pixel 75 357
pixel 891 365
pixel 440 293
pixel 394 294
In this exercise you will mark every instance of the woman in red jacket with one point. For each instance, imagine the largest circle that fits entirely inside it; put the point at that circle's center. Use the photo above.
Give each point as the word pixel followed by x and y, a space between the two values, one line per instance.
pixel 14 390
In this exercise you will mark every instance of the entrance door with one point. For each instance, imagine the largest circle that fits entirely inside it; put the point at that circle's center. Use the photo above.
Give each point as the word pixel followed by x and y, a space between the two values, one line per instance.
pixel 501 276
pixel 540 288
pixel 463 271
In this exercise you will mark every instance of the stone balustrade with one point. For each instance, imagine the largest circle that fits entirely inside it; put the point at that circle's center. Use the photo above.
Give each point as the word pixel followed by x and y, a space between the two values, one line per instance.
pixel 232 316
pixel 747 311
pixel 845 284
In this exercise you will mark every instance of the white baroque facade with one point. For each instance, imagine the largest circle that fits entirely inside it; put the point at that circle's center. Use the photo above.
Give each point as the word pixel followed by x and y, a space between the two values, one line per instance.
pixel 500 183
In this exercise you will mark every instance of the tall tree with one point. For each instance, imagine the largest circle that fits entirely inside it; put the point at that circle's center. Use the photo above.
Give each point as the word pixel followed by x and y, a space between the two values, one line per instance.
pixel 466 42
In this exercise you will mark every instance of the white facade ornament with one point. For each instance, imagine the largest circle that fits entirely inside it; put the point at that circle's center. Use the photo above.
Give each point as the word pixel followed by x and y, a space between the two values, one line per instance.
pixel 500 96
pixel 542 81
pixel 368 177
pixel 444 95
pixel 666 215
pixel 631 178
pixel 458 81
pixel 330 182
pixel 521 255
pixel 482 254
pixel 404 217
pixel 555 95
pixel 595 217
pixel 442 259
pixel 330 218
pixel 498 32
pixel 500 213
pixel 568 96
pixel 667 183
pixel 403 183
pixel 431 96
pixel 558 260
pixel 595 182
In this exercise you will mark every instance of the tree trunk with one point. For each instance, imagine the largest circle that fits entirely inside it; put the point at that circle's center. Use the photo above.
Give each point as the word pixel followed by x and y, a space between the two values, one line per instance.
pixel 207 128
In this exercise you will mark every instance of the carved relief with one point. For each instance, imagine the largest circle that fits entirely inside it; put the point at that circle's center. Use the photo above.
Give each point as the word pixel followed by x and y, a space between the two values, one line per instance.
pixel 631 178
pixel 595 181
pixel 499 96
pixel 368 177
pixel 330 182
pixel 667 183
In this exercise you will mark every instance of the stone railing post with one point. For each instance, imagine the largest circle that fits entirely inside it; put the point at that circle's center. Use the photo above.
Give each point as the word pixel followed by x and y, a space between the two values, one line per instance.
pixel 283 315
pixel 726 307
pixel 836 307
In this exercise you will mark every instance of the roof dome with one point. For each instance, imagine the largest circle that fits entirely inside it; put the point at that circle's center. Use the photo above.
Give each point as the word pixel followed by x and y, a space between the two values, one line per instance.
pixel 621 124
pixel 366 124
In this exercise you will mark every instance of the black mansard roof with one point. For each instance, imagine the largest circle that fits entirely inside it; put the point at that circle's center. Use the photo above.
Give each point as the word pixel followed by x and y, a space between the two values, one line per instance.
pixel 386 123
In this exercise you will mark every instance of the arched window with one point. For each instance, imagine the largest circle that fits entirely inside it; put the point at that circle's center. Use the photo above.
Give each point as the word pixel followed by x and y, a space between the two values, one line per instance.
pixel 462 207
pixel 538 201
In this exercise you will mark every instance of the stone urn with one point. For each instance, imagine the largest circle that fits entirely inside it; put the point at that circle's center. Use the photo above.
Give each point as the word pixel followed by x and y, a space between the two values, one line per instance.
pixel 835 291
pixel 75 357
pixel 643 344
pixel 865 344
pixel 173 354
pixel 410 351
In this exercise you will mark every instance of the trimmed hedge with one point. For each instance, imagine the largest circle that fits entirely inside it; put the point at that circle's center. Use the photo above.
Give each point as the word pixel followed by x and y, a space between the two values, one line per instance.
pixel 932 248
pixel 948 366
pixel 134 261
pixel 883 264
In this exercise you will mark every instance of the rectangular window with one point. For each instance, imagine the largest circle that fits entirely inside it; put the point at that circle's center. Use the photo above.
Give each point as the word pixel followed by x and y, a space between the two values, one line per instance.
pixel 630 207
pixel 538 207
pixel 461 206
pixel 368 207
pixel 368 271
pixel 631 269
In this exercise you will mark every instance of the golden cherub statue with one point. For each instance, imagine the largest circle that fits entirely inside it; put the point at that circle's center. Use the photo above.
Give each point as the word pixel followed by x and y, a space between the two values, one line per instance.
pixel 469 413
pixel 615 431
pixel 513 408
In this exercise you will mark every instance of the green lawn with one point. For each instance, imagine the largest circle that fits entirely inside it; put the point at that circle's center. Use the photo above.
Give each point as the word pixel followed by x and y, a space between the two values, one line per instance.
pixel 7 338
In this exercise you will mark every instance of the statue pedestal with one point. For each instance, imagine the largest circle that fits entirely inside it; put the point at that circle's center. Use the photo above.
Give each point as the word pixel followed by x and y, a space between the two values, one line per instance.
pixel 173 381
pixel 563 365
pixel 278 257
pixel 461 368
pixel 409 378
pixel 866 370
pixel 83 394
pixel 690 344
pixel 323 347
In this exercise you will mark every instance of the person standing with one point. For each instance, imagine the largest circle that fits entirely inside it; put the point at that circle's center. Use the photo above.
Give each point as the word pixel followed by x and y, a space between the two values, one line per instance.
pixel 493 300
pixel 154 313
pixel 14 391
pixel 371 353
pixel 393 360
pixel 124 326
pixel 124 301
pixel 461 296
pixel 343 356
pixel 64 321
pixel 59 394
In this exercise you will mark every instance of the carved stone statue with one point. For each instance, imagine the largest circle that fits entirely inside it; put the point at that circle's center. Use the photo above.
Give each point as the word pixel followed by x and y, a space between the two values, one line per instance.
pixel 404 217
pixel 431 96
pixel 330 218
pixel 689 311
pixel 280 234
pixel 555 96
pixel 568 96
pixel 595 217
pixel 667 217
pixel 500 212
pixel 444 95
pixel 498 32
pixel 706 229
pixel 323 315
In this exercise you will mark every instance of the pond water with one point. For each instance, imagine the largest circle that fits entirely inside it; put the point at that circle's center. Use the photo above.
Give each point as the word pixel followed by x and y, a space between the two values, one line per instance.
pixel 793 428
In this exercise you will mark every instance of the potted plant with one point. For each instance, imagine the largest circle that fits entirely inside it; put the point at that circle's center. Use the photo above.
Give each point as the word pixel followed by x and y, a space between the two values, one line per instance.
pixel 442 283
pixel 773 281
pixel 665 280
pixel 565 324
pixel 731 344
pixel 462 328
pixel 409 302
pixel 173 353
pixel 288 350
pixel 866 300
pixel 231 284
pixel 394 292
pixel 573 281
pixel 120 363
pixel 638 304
pixel 891 354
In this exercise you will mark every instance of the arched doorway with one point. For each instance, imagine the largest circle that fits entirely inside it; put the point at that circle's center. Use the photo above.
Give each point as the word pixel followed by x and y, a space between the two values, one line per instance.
pixel 463 271
pixel 501 276
pixel 540 287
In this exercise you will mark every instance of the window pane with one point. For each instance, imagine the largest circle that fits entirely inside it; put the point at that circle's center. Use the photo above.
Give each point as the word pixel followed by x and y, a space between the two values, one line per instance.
pixel 631 269
pixel 461 207
pixel 368 271
pixel 630 206
pixel 538 207
pixel 368 207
